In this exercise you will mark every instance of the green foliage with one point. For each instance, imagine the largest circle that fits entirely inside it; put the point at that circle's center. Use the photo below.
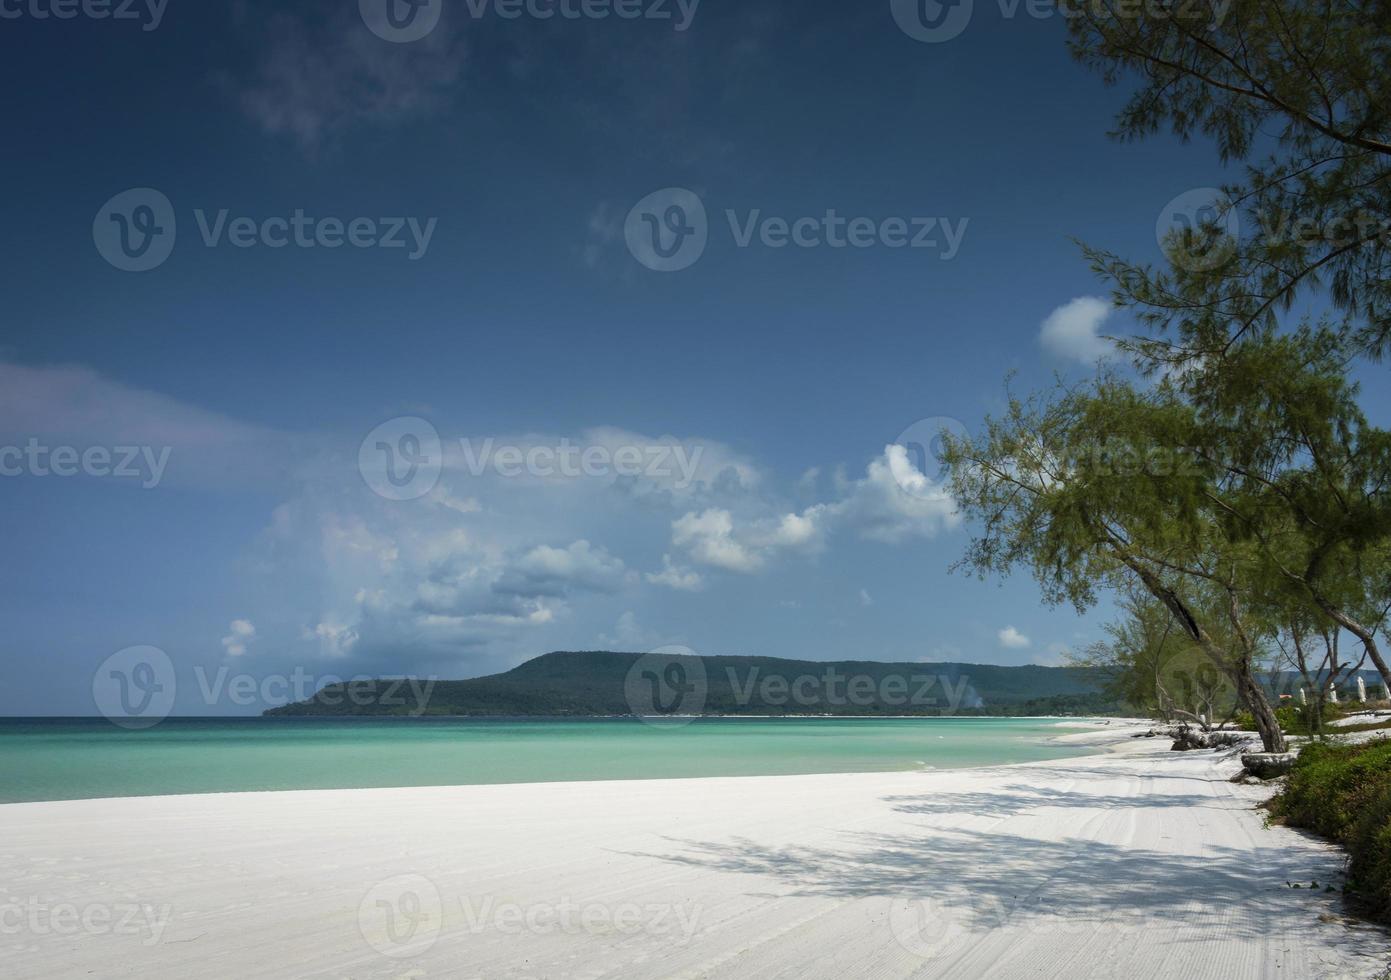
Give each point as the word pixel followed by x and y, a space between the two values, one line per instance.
pixel 1049 491
pixel 1149 662
pixel 1295 719
pixel 1344 793
pixel 1251 502
pixel 1302 719
pixel 1301 94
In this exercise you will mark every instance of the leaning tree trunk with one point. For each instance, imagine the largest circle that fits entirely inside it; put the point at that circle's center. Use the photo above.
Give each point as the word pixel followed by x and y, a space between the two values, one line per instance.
pixel 1248 689
pixel 1365 636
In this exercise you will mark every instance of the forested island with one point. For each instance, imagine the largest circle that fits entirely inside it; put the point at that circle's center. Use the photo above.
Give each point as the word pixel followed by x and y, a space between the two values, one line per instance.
pixel 600 683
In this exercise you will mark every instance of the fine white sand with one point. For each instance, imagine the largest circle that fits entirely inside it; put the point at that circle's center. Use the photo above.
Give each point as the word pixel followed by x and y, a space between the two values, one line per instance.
pixel 1140 863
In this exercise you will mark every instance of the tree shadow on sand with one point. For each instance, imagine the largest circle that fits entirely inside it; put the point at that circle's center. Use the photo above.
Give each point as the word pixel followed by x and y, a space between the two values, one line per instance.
pixel 1016 798
pixel 988 878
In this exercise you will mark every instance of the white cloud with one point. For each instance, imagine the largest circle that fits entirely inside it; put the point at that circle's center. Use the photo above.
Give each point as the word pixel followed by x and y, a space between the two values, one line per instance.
pixel 1012 639
pixel 442 496
pixel 1072 331
pixel 472 582
pixel 384 583
pixel 334 640
pixel 893 503
pixel 242 634
pixel 393 582
pixel 709 539
pixel 800 533
pixel 675 576
pixel 865 598
pixel 556 572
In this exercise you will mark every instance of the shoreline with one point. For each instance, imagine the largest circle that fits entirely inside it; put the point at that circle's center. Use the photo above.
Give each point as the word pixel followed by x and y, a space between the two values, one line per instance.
pixel 1131 861
pixel 264 716
pixel 1091 731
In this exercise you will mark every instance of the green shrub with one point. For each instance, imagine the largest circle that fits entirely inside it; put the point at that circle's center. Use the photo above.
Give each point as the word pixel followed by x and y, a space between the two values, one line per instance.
pixel 1294 719
pixel 1343 792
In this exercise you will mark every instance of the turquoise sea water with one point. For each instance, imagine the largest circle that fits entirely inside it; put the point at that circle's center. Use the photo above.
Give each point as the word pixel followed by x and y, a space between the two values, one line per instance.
pixel 52 759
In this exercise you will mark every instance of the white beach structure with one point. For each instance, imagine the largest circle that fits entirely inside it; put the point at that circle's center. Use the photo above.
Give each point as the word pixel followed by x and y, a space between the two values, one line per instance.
pixel 1361 690
pixel 1332 694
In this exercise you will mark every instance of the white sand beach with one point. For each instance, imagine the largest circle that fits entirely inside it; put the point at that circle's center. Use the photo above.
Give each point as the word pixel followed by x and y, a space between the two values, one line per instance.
pixel 1139 863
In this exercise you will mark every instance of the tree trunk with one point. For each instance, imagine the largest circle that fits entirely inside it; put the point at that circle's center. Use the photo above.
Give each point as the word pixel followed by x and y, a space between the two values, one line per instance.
pixel 1366 636
pixel 1249 690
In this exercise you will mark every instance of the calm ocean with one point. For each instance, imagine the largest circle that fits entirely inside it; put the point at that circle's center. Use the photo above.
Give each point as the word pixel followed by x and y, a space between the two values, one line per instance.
pixel 53 759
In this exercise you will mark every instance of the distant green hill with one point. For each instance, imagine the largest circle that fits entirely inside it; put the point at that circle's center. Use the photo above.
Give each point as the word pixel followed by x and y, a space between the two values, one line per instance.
pixel 607 684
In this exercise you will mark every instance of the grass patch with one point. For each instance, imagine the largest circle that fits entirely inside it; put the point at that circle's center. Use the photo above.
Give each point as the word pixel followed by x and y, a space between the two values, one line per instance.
pixel 1343 792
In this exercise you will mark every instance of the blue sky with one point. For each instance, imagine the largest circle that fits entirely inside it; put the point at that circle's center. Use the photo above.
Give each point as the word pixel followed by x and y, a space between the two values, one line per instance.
pixel 523 145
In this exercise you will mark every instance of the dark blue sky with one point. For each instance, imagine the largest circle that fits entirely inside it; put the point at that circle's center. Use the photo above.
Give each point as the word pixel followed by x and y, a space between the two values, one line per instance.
pixel 523 144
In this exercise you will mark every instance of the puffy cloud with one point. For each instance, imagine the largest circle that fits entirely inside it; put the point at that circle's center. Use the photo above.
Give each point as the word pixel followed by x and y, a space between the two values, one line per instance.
pixel 473 582
pixel 432 580
pixel 242 634
pixel 796 530
pixel 893 503
pixel 1072 331
pixel 709 539
pixel 1012 639
pixel 675 576
pixel 556 572
pixel 483 564
pixel 896 502
pixel 334 639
